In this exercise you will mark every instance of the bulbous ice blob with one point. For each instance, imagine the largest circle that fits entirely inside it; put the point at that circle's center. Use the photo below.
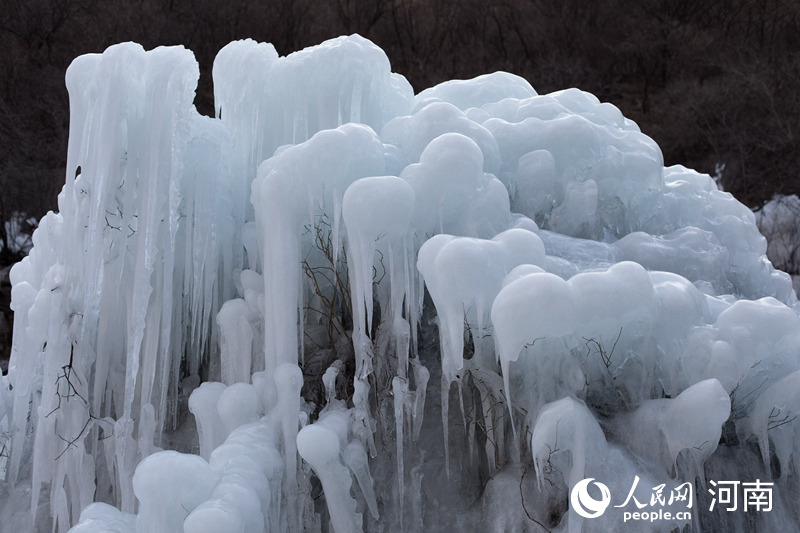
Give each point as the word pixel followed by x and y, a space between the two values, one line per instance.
pixel 453 269
pixel 608 310
pixel 773 420
pixel 203 405
pixel 103 517
pixel 464 275
pixel 319 447
pixel 169 485
pixel 567 426
pixel 535 190
pixel 214 515
pixel 413 133
pixel 448 182
pixel 660 430
pixel 751 345
pixel 681 309
pixel 620 297
pixel 249 464
pixel 238 404
pixel 577 213
pixel 379 205
pixel 233 508
pixel 520 317
pixel 236 343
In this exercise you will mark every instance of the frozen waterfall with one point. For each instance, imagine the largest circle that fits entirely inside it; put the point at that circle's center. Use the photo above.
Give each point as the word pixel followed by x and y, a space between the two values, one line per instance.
pixel 340 306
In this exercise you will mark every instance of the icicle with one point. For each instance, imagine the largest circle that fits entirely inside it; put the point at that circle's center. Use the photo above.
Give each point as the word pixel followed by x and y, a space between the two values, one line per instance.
pixel 421 376
pixel 400 392
pixel 355 457
pixel 236 344
pixel 329 380
pixel 288 383
pixel 415 503
pixel 490 428
pixel 445 398
pixel 336 238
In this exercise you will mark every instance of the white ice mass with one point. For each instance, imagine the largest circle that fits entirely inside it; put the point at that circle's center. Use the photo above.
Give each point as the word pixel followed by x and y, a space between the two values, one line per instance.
pixel 338 306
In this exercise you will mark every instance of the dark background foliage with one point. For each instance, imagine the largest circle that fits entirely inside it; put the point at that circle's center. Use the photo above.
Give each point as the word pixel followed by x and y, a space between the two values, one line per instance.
pixel 714 82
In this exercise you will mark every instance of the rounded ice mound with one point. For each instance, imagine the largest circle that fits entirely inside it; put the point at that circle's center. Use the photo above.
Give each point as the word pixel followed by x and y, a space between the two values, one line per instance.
pixel 603 179
pixel 479 91
pixel 693 253
pixel 750 345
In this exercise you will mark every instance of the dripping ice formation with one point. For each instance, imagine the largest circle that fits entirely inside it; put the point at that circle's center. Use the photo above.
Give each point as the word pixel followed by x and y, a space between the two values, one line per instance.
pixel 340 306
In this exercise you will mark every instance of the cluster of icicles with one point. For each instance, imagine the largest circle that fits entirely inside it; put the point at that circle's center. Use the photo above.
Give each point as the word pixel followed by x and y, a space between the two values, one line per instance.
pixel 282 254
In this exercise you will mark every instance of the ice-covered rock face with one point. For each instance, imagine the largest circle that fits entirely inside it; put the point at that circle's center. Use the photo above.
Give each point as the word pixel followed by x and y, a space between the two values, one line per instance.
pixel 593 317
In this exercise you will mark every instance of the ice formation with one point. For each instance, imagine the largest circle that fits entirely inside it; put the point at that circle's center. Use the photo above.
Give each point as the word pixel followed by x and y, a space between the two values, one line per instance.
pixel 338 306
